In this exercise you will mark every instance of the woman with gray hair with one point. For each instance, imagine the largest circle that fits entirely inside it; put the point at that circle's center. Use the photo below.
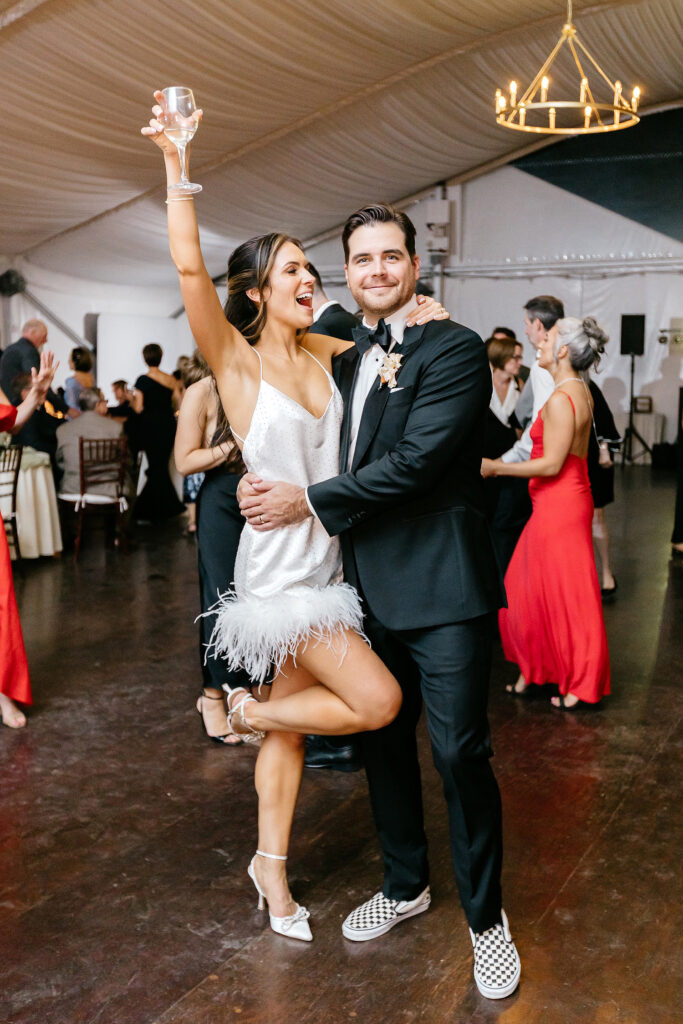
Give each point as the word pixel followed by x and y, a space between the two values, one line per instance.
pixel 553 628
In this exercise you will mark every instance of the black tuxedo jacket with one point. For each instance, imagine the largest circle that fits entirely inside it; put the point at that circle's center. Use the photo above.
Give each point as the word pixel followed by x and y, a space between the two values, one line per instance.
pixel 335 322
pixel 410 512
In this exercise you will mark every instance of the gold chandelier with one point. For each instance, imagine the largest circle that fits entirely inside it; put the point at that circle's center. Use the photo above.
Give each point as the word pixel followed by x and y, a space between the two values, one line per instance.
pixel 535 112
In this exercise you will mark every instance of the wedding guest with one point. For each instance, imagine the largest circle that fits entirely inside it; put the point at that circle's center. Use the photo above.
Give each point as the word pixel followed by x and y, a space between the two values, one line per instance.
pixel 14 678
pixel 513 506
pixel 507 500
pixel 194 368
pixel 522 371
pixel 204 446
pixel 22 356
pixel 540 314
pixel 40 431
pixel 329 316
pixel 504 357
pixel 155 434
pixel 553 626
pixel 125 401
pixel 125 412
pixel 80 361
pixel 92 423
pixel 603 445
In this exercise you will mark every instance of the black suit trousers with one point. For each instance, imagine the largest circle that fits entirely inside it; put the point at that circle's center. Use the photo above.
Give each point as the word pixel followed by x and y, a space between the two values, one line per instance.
pixel 447 667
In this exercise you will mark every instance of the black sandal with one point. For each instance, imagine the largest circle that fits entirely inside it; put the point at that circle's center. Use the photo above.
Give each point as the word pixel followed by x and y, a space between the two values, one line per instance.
pixel 228 738
pixel 524 694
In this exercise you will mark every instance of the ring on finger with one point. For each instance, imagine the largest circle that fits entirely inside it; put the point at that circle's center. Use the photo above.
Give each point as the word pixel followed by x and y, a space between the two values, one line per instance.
pixel 260 518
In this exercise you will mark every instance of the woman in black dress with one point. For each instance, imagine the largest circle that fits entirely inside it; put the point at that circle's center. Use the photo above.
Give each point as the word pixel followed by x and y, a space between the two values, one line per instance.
pixel 204 444
pixel 603 445
pixel 155 433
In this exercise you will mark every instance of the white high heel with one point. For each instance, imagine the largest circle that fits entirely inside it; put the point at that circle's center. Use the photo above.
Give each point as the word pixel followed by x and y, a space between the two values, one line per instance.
pixel 295 926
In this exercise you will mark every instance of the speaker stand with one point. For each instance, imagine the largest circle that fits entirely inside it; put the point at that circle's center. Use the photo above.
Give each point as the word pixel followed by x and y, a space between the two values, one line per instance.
pixel 631 432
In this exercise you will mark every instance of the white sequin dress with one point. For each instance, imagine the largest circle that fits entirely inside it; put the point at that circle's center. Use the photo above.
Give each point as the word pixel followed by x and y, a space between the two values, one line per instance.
pixel 288 582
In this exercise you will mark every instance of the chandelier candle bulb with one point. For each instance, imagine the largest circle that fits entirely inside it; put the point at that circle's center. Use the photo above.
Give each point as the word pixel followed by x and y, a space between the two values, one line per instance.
pixel 574 110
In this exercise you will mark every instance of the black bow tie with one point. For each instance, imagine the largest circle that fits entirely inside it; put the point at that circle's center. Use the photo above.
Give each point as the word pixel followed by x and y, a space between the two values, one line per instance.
pixel 365 338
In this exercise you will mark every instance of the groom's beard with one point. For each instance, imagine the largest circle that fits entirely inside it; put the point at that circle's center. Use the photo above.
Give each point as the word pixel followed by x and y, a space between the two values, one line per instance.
pixel 384 302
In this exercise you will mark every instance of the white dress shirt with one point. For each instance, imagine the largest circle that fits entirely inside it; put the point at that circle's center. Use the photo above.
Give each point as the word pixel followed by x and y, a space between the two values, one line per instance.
pixel 502 410
pixel 368 370
pixel 542 385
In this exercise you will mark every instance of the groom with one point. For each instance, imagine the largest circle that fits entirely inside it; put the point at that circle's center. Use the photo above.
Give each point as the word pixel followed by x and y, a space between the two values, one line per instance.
pixel 407 507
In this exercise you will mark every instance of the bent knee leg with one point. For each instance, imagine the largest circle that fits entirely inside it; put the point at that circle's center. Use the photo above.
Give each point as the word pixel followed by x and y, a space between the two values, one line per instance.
pixel 385 705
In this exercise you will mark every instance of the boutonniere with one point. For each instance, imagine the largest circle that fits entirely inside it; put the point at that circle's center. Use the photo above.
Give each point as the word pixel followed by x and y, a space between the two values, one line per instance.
pixel 389 368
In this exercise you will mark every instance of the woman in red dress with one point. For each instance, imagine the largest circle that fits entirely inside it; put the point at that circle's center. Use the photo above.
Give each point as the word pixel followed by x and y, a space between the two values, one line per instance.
pixel 14 682
pixel 553 627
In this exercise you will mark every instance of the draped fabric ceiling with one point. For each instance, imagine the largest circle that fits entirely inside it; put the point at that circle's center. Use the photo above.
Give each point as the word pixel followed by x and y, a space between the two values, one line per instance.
pixel 312 107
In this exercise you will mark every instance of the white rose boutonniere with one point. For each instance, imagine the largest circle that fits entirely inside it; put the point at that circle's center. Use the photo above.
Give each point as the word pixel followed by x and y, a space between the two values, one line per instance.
pixel 389 368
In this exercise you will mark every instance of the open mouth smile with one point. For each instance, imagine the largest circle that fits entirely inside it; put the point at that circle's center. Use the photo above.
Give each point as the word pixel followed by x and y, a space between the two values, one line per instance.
pixel 305 299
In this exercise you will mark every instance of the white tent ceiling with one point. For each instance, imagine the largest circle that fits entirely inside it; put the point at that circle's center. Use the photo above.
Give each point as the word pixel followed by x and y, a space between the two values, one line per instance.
pixel 312 107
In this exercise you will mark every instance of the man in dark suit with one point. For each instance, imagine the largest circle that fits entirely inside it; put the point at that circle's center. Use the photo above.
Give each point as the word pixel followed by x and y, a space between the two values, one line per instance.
pixel 330 317
pixel 408 508
pixel 23 355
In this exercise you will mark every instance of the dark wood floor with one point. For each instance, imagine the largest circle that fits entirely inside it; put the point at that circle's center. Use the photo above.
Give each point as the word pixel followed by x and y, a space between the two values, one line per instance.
pixel 125 835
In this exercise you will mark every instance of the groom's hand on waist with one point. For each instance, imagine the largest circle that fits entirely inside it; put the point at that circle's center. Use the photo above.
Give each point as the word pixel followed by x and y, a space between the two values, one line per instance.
pixel 267 504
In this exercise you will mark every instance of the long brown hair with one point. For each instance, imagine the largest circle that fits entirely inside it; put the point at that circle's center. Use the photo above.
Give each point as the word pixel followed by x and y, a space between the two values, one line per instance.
pixel 249 266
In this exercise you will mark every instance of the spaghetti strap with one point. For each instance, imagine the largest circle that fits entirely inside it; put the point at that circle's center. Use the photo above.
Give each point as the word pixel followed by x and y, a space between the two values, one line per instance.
pixel 326 372
pixel 570 400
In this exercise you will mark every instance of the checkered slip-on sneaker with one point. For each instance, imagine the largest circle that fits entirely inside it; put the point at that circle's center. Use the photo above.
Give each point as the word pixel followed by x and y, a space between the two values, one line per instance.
pixel 380 914
pixel 496 961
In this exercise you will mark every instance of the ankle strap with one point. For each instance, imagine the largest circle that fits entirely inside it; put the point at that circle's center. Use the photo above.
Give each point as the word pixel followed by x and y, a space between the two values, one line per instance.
pixel 209 696
pixel 271 856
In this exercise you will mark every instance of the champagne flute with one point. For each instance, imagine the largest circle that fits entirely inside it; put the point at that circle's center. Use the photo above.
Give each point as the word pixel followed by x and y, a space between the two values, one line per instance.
pixel 179 126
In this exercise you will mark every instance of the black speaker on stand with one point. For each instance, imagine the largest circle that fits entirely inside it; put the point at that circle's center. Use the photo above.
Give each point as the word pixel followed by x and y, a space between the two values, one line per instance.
pixel 632 344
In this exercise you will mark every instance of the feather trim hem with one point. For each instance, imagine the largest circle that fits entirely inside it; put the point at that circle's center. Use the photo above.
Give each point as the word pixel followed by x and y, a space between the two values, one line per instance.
pixel 259 634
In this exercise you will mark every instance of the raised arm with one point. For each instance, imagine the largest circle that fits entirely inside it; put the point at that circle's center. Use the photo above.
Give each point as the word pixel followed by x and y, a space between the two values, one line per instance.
pixel 222 345
pixel 40 385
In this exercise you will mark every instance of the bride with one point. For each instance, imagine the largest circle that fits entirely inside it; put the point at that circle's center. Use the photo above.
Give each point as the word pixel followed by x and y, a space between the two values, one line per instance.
pixel 289 607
